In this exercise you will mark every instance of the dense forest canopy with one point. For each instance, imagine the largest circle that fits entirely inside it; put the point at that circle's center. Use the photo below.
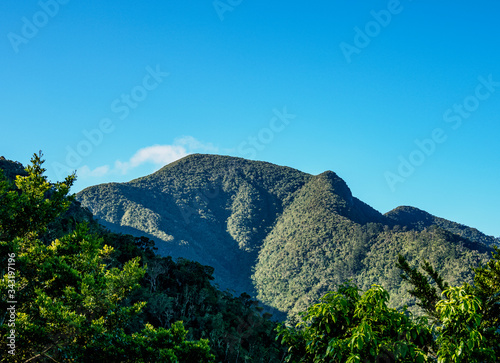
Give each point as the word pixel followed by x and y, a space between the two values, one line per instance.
pixel 357 285
pixel 279 234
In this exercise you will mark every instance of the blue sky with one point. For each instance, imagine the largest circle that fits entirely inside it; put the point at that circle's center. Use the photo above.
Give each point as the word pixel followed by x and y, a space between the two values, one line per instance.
pixel 400 98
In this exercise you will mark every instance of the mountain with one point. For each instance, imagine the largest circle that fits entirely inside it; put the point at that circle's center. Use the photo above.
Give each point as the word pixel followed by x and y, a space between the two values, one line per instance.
pixel 11 168
pixel 280 234
pixel 414 218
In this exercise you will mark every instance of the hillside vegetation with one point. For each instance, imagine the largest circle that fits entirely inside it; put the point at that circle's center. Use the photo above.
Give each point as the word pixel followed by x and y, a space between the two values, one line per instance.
pixel 84 294
pixel 338 267
pixel 281 235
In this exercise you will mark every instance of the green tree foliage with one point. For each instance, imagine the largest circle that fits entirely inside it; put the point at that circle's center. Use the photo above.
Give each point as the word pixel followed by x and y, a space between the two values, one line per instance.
pixel 183 290
pixel 33 203
pixel 462 322
pixel 466 318
pixel 71 306
pixel 487 287
pixel 422 289
pixel 460 328
pixel 347 326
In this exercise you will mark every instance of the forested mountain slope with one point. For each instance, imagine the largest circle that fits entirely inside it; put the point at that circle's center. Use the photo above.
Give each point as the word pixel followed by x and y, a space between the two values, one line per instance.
pixel 278 233
pixel 212 209
pixel 414 218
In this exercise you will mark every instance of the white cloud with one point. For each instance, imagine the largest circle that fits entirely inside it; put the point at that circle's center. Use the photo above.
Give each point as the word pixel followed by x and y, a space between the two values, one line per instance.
pixel 157 155
pixel 86 172
pixel 195 145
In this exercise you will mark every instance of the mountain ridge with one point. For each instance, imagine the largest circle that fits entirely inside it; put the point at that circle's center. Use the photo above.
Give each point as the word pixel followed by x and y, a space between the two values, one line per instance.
pixel 278 233
pixel 415 218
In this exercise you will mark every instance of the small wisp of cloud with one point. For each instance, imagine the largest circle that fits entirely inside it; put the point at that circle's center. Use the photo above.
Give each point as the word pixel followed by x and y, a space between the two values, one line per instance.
pixel 155 155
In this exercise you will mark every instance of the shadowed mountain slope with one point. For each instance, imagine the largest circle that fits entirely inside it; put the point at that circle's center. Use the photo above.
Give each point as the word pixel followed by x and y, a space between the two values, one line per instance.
pixel 212 209
pixel 278 233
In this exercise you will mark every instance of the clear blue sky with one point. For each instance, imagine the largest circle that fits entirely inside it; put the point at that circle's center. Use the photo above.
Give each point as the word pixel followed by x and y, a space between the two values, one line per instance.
pixel 117 89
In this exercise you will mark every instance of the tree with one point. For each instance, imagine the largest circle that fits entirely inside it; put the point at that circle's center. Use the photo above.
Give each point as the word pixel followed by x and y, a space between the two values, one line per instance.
pixel 424 287
pixel 62 301
pixel 460 328
pixel 487 287
pixel 349 327
pixel 29 206
pixel 466 318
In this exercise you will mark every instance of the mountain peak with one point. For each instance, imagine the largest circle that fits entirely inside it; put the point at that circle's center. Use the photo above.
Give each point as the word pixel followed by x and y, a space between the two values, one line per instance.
pixel 417 219
pixel 11 168
pixel 410 215
pixel 339 185
pixel 240 216
pixel 224 163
